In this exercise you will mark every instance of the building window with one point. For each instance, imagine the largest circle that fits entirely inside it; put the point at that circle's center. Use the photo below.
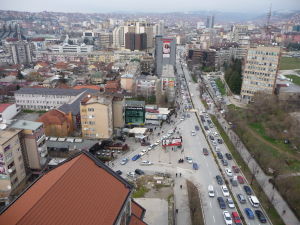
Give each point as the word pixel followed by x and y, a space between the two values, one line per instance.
pixel 91 109
pixel 7 148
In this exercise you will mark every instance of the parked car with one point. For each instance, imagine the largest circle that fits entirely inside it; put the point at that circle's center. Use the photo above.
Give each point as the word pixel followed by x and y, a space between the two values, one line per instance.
pixel 131 174
pixel 261 217
pixel 211 137
pixel 228 172
pixel 221 203
pixel 227 218
pixel 219 154
pixel 206 128
pixel 228 156
pixel 145 143
pixel 195 166
pixel 189 160
pixel 235 169
pixel 219 179
pixel 230 203
pixel 136 157
pixel 240 179
pixel 247 190
pixel 236 218
pixel 214 143
pixel 205 151
pixel 193 133
pixel 220 141
pixel 224 162
pixel 124 161
pixel 249 213
pixel 233 182
pixel 197 128
pixel 143 152
pixel 241 198
pixel 146 163
pixel 225 190
pixel 139 172
pixel 119 172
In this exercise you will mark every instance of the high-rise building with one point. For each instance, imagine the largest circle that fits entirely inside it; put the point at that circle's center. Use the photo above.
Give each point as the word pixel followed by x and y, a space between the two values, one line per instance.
pixel 135 41
pixel 260 71
pixel 210 22
pixel 20 51
pixel 104 40
pixel 165 52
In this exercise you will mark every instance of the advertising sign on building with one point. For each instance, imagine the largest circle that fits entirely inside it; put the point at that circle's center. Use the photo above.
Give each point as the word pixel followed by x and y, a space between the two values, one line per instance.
pixel 166 49
pixel 171 142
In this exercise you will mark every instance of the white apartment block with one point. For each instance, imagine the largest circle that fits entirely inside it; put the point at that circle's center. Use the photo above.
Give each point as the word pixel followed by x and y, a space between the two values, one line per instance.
pixel 65 48
pixel 45 98
pixel 260 71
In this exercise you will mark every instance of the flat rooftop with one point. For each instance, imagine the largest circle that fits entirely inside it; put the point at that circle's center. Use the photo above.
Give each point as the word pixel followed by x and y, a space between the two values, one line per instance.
pixel 7 134
pixel 26 125
pixel 168 71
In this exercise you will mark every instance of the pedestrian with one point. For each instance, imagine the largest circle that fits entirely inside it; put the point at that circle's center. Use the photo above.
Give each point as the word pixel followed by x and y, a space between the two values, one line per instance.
pixel 180 173
pixel 176 211
pixel 112 164
pixel 176 174
pixel 180 186
pixel 283 212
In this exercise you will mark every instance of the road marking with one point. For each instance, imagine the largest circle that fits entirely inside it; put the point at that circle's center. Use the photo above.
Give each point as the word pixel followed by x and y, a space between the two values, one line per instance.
pixel 214 219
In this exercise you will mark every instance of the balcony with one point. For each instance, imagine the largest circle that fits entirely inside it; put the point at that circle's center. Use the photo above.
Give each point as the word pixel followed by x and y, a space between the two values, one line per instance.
pixel 42 149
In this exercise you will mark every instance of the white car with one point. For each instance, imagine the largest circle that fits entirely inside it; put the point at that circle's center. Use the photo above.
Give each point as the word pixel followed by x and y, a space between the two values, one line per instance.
pixel 230 203
pixel 131 174
pixel 157 142
pixel 227 218
pixel 143 152
pixel 211 192
pixel 189 160
pixel 146 163
pixel 193 133
pixel 225 191
pixel 149 148
pixel 214 143
pixel 170 132
pixel 228 172
pixel 182 118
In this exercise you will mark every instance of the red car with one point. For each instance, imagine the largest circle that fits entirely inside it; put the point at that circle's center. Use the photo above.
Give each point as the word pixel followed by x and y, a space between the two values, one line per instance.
pixel 235 169
pixel 236 218
pixel 240 179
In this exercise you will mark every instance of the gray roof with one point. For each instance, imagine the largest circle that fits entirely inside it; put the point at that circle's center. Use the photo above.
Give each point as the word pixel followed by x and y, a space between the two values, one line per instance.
pixel 134 103
pixel 26 125
pixel 85 144
pixel 74 107
pixel 50 91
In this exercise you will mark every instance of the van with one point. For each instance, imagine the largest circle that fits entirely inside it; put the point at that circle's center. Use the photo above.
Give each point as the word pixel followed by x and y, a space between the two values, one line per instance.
pixel 254 201
pixel 211 192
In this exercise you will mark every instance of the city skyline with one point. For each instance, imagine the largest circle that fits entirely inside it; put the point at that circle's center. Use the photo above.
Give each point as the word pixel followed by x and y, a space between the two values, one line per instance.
pixel 93 6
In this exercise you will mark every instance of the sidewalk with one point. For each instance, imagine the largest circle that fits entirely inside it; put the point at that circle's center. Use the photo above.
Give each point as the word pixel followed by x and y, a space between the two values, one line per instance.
pixel 273 195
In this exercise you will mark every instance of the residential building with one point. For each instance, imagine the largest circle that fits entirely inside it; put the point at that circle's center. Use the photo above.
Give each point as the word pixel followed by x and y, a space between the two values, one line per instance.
pixel 260 71
pixel 66 48
pixel 146 86
pixel 57 123
pixel 97 116
pixel 45 98
pixel 104 40
pixel 147 65
pixel 21 51
pixel 127 82
pixel 33 144
pixel 112 86
pixel 134 113
pixel 80 181
pixel 12 169
pixel 204 58
pixel 165 53
pixel 8 111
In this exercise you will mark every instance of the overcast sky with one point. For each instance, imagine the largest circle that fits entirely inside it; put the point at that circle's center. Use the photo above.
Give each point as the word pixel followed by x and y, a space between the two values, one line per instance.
pixel 258 6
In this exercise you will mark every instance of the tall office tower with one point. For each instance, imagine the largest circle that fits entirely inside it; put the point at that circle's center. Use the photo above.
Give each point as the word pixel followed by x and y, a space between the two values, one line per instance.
pixel 135 41
pixel 119 36
pixel 165 52
pixel 260 72
pixel 210 22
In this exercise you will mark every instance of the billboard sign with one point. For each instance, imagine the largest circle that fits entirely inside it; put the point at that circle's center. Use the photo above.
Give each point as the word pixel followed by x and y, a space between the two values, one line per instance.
pixel 166 48
pixel 172 142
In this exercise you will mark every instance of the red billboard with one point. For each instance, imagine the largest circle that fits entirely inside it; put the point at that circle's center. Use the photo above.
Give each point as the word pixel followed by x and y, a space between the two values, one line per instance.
pixel 172 142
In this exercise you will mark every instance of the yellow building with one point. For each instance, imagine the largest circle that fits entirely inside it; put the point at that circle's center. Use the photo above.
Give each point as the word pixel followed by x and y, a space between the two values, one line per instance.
pixel 127 81
pixel 260 71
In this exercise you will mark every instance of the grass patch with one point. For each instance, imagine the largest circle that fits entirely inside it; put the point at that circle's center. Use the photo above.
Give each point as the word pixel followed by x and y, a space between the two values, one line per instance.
pixel 221 86
pixel 170 197
pixel 205 104
pixel 289 63
pixel 140 192
pixel 159 186
pixel 296 79
pixel 270 210
pixel 33 111
pixel 194 204
pixel 194 78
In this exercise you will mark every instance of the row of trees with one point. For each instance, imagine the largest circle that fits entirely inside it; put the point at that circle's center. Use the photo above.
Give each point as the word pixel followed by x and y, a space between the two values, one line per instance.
pixel 233 75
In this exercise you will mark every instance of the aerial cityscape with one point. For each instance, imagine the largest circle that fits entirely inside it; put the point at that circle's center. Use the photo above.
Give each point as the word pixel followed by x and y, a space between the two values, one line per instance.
pixel 159 113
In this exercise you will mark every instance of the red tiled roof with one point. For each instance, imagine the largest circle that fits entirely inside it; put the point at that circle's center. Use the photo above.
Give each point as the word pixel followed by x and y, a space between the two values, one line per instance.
pixel 3 107
pixel 94 87
pixel 53 117
pixel 137 210
pixel 79 191
pixel 134 220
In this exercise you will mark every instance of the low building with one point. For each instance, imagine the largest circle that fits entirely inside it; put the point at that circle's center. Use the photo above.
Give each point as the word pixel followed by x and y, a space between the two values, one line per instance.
pixel 33 144
pixel 59 195
pixel 112 86
pixel 134 113
pixel 12 168
pixel 127 82
pixel 8 111
pixel 57 123
pixel 146 86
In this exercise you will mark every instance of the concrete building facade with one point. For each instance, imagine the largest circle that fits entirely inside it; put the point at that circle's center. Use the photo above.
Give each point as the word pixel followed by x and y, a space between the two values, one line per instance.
pixel 260 71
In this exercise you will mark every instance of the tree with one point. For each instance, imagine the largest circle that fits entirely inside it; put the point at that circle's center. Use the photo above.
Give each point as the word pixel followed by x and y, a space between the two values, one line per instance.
pixel 233 75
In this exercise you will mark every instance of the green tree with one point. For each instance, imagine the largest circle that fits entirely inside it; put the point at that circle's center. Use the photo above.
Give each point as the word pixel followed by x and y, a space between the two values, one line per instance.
pixel 233 76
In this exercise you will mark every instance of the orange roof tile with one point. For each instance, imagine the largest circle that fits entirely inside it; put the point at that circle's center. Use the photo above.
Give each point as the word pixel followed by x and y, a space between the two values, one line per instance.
pixel 137 210
pixel 53 117
pixel 79 191
pixel 94 87
pixel 134 220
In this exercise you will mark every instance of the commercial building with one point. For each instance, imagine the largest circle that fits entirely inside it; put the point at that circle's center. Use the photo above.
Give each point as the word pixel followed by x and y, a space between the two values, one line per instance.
pixel 81 190
pixel 104 40
pixel 168 83
pixel 147 65
pixel 260 71
pixel 146 86
pixel 165 53
pixel 210 22
pixel 134 113
pixel 45 98
pixel 135 41
pixel 66 48
pixel 12 169
pixel 33 144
